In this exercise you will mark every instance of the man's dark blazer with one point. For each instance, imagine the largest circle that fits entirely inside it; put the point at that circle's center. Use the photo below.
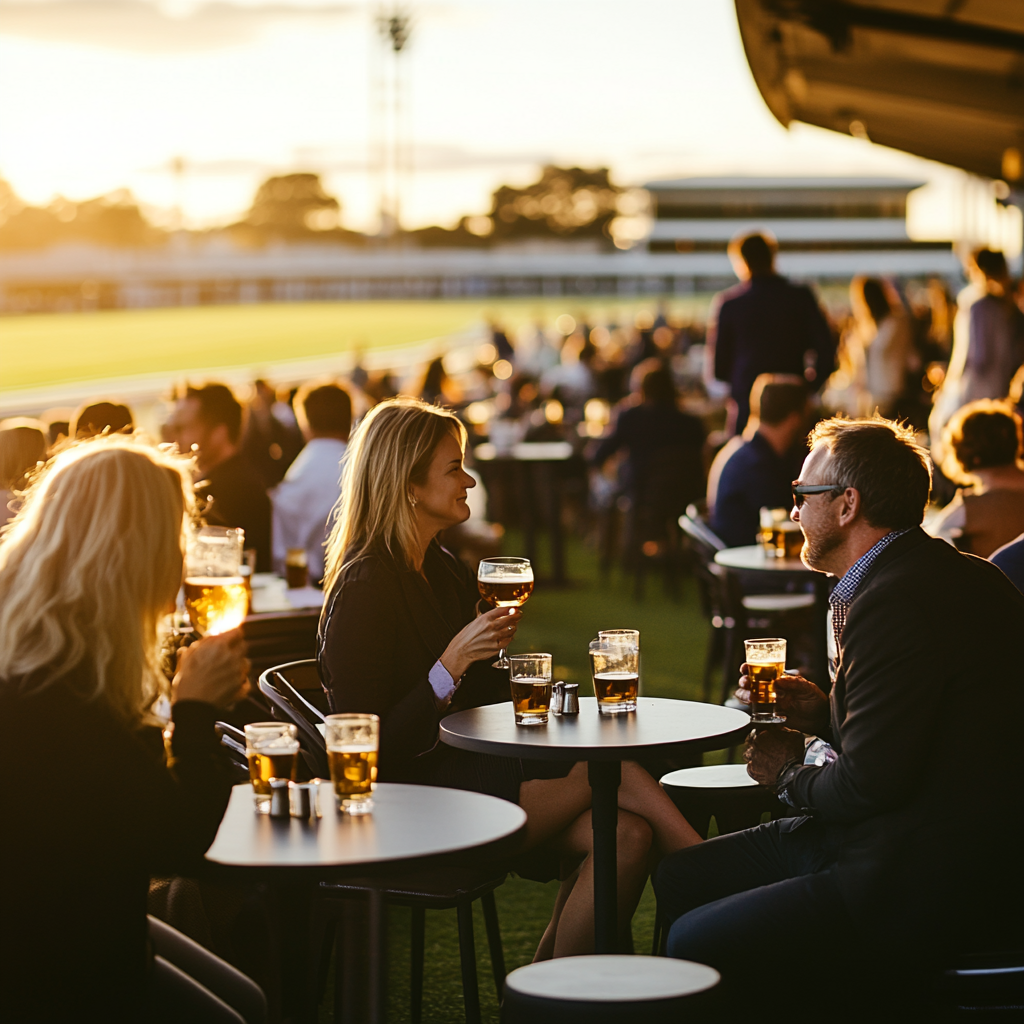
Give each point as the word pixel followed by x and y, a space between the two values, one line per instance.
pixel 925 713
pixel 382 629
pixel 233 495
pixel 766 325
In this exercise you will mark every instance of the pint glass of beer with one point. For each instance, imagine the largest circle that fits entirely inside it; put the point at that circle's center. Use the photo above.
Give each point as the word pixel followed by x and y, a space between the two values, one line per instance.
pixel 352 742
pixel 615 669
pixel 216 594
pixel 505 583
pixel 766 530
pixel 788 539
pixel 530 678
pixel 272 749
pixel 766 660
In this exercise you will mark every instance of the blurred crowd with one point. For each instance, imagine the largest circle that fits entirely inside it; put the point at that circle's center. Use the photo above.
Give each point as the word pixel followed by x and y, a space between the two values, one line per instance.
pixel 647 416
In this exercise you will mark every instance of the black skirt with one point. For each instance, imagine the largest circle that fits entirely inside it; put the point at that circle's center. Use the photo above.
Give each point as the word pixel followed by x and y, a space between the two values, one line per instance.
pixel 483 773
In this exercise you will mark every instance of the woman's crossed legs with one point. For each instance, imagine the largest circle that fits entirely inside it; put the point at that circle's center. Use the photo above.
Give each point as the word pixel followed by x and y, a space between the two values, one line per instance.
pixel 649 827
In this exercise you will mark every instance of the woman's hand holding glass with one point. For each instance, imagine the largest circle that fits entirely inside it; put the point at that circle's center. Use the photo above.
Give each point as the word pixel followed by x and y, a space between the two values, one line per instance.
pixel 482 638
pixel 214 670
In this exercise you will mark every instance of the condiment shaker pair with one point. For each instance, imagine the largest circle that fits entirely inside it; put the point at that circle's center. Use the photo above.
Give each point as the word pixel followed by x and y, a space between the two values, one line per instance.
pixel 294 799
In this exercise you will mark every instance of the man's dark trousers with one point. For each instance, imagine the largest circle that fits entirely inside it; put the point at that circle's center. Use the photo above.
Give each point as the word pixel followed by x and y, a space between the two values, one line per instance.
pixel 763 908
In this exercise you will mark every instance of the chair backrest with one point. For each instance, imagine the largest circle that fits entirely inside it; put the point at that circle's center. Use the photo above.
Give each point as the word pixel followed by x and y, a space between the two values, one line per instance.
pixel 281 686
pixel 701 535
pixel 232 739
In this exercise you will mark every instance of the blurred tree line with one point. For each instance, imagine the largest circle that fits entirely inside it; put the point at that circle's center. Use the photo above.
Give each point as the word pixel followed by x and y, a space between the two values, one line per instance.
pixel 566 203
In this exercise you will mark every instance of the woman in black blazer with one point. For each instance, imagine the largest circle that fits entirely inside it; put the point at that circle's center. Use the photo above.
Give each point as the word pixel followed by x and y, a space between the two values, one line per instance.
pixel 402 636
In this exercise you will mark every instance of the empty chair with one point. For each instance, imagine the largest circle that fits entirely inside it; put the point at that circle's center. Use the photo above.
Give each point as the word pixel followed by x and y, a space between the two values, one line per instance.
pixel 610 990
pixel 291 690
pixel 724 792
pixel 294 692
pixel 731 609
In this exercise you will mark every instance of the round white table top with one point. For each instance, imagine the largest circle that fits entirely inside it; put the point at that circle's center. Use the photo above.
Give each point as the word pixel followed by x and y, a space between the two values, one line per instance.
pixel 407 823
pixel 612 979
pixel 658 724
pixel 710 776
pixel 753 557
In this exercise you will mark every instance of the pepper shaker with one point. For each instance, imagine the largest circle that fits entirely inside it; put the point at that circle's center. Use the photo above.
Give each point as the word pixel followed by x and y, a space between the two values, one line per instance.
pixel 280 805
pixel 305 802
pixel 557 697
pixel 570 698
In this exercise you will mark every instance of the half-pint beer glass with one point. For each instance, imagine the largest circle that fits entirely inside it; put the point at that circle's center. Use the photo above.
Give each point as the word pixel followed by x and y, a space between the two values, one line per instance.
pixel 766 660
pixel 615 669
pixel 352 754
pixel 272 750
pixel 530 678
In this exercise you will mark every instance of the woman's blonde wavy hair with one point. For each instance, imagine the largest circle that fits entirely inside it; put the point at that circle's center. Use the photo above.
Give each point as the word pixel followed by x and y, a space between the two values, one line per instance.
pixel 88 569
pixel 391 448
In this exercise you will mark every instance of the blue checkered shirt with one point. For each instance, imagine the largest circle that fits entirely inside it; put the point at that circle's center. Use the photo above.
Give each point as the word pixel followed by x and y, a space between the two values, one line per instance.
pixel 843 594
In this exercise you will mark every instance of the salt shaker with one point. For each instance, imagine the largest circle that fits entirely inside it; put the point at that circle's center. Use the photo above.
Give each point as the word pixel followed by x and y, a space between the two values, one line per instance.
pixel 570 699
pixel 557 697
pixel 280 805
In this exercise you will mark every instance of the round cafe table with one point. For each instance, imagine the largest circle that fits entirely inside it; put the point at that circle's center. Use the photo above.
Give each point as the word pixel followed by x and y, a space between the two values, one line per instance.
pixel 408 824
pixel 752 558
pixel 657 726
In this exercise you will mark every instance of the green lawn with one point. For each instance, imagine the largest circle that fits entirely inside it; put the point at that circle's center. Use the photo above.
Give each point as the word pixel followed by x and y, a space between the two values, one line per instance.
pixel 673 638
pixel 60 348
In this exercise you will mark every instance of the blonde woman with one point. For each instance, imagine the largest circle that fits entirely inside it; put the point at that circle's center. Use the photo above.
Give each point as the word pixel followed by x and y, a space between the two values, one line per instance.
pixel 402 636
pixel 88 570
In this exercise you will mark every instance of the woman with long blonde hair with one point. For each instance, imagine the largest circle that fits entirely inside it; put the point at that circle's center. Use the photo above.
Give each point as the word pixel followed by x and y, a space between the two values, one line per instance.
pixel 402 636
pixel 89 569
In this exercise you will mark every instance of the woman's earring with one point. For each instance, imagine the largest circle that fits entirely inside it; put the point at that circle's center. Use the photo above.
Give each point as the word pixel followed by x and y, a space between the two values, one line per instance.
pixel 412 500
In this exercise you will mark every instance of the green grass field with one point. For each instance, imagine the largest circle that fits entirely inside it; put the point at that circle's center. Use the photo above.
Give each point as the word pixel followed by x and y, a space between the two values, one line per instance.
pixel 61 348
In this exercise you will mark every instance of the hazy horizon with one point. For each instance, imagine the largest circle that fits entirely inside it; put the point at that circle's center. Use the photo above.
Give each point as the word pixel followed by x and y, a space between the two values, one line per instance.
pixel 102 94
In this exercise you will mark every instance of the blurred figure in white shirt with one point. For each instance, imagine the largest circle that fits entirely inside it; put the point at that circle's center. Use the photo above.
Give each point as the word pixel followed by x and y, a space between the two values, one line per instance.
pixel 305 497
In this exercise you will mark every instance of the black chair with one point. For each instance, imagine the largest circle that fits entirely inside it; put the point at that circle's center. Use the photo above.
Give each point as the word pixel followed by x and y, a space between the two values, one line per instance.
pixel 729 607
pixel 704 544
pixel 284 687
pixel 232 739
pixel 295 694
pixel 983 985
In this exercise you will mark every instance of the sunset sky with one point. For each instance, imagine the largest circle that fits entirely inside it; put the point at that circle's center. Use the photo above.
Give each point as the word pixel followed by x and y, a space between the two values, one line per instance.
pixel 100 94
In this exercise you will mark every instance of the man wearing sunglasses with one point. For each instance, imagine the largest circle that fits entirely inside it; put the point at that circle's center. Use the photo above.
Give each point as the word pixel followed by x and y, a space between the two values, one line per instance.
pixel 878 877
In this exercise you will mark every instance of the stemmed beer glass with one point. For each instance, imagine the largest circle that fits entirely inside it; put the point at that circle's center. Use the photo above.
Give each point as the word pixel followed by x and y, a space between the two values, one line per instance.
pixel 505 583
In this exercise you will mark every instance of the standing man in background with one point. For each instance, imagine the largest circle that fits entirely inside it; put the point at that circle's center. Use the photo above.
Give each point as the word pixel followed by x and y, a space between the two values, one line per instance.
pixel 765 324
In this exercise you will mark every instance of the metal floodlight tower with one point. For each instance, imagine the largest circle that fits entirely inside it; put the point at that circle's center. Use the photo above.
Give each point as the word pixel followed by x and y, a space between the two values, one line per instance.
pixel 394 149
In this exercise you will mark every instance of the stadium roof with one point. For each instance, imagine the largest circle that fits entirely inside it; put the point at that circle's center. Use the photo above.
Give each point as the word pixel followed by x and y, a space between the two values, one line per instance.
pixel 943 79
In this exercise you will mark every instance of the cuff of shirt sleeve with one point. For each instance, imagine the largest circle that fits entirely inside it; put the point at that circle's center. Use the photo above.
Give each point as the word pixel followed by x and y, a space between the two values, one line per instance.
pixel 441 683
pixel 784 783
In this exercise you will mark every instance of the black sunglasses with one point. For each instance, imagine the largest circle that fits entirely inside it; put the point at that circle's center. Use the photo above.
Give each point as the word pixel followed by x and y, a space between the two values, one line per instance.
pixel 800 491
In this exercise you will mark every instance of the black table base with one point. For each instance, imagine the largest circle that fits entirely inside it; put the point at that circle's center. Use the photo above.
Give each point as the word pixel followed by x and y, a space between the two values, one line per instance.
pixel 604 777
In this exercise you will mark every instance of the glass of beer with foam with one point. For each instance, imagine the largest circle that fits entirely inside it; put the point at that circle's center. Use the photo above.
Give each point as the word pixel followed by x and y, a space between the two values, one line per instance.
pixel 530 678
pixel 352 742
pixel 766 662
pixel 272 749
pixel 505 583
pixel 216 594
pixel 615 670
